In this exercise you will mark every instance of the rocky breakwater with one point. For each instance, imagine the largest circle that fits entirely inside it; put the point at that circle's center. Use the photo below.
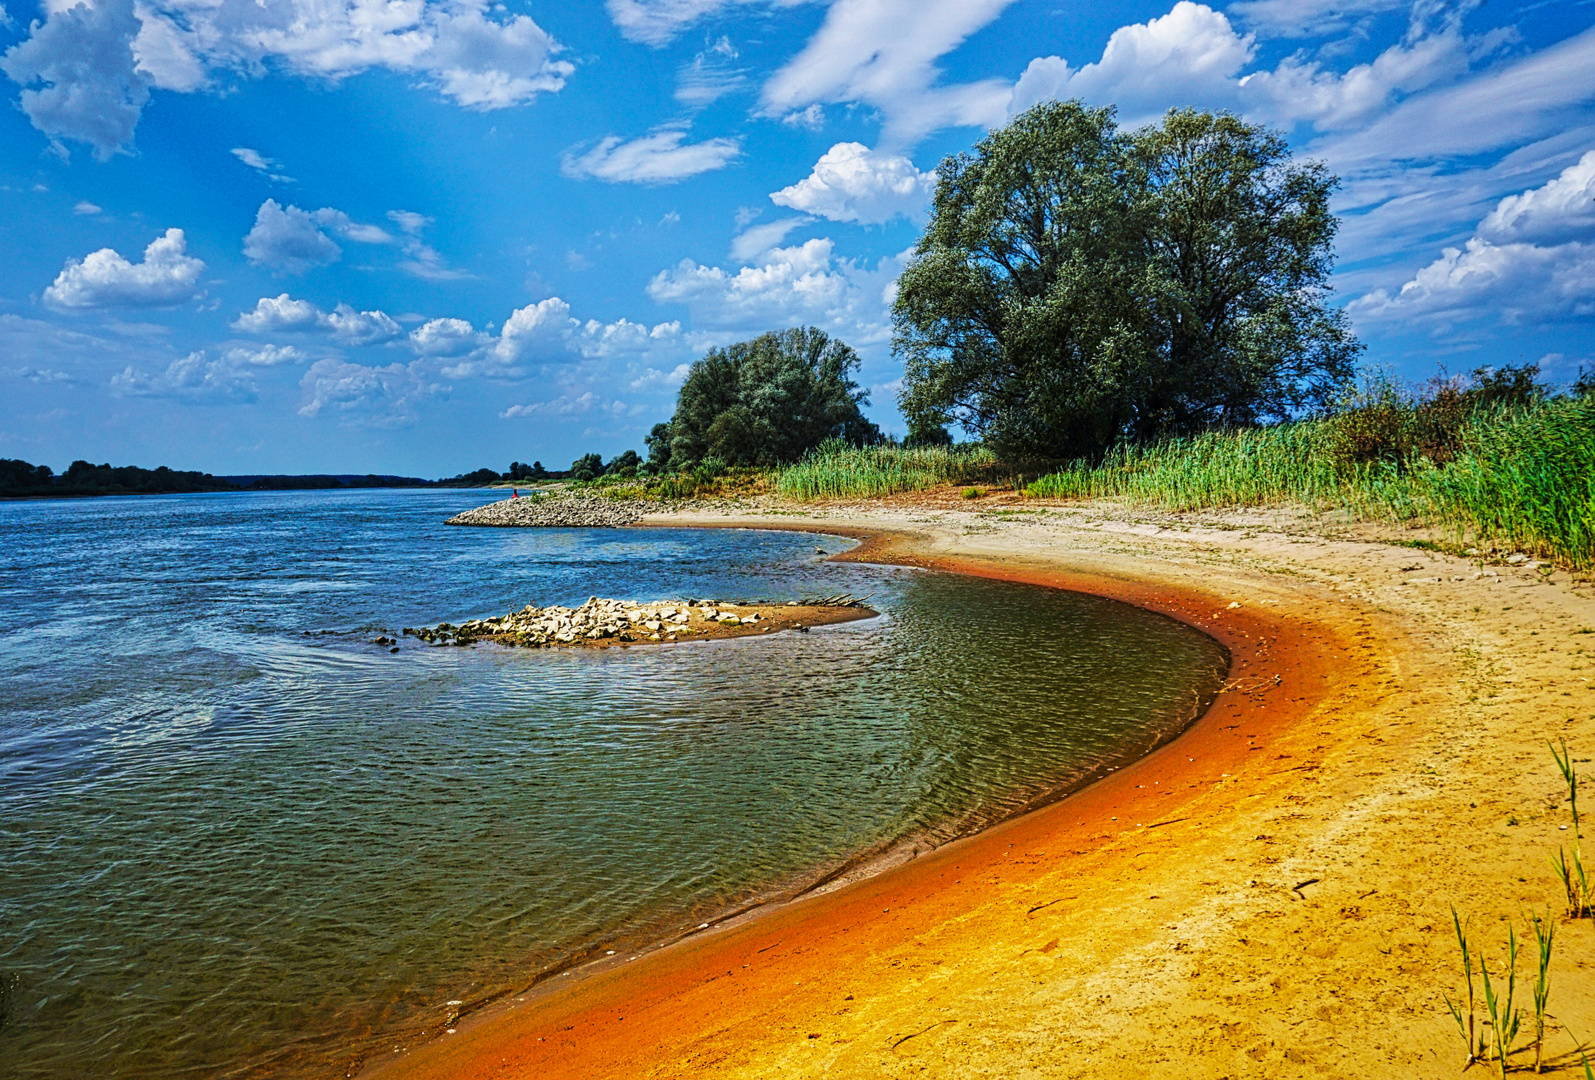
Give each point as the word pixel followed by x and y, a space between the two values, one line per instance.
pixel 601 622
pixel 564 511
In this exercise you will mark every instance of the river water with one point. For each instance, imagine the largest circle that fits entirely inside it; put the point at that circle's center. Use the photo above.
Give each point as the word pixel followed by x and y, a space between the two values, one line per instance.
pixel 237 838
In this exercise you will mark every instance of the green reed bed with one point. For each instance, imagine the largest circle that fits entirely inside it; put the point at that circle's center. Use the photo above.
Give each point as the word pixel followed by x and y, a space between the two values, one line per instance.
pixel 1522 477
pixel 1231 468
pixel 867 472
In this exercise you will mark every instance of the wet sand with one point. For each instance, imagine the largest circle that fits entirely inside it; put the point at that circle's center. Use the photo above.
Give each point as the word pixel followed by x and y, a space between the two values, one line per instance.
pixel 1265 896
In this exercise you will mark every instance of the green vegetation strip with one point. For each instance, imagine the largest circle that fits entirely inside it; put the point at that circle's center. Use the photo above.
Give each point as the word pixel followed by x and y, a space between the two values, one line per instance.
pixel 1523 477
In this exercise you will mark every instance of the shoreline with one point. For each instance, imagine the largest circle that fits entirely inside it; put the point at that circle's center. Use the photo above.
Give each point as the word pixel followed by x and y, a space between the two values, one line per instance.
pixel 635 1019
pixel 880 546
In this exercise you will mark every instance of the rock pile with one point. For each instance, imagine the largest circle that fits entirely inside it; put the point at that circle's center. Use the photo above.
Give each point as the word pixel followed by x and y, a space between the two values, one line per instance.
pixel 595 621
pixel 564 511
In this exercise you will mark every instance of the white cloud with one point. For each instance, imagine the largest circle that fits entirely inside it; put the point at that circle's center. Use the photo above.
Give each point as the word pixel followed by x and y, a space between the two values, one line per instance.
pixel 657 22
pixel 261 164
pixel 883 53
pixel 166 53
pixel 95 62
pixel 600 340
pixel 288 239
pixel 38 375
pixel 1532 258
pixel 86 208
pixel 167 276
pixel 291 240
pixel 1507 105
pixel 801 284
pixel 264 355
pixel 751 243
pixel 708 78
pixel 283 314
pixel 568 406
pixel 446 338
pixel 812 118
pixel 1191 56
pixel 421 260
pixel 659 158
pixel 80 76
pixel 380 396
pixel 653 378
pixel 1562 210
pixel 1511 283
pixel 198 376
pixel 851 182
pixel 1308 18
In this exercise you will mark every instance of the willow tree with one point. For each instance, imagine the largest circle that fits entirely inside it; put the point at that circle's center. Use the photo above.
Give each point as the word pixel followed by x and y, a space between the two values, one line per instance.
pixel 1078 285
pixel 766 402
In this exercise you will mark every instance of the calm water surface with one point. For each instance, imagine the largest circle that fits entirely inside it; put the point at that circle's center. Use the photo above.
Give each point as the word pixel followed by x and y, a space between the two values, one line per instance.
pixel 237 838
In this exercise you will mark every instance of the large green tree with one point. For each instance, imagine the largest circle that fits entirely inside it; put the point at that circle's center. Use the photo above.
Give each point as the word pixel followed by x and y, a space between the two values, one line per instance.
pixel 1078 285
pixel 767 401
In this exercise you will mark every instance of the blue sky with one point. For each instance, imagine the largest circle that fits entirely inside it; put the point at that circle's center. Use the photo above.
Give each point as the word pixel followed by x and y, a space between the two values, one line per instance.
pixel 419 237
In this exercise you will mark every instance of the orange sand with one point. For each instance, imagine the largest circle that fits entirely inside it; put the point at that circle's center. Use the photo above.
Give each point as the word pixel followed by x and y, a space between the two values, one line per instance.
pixel 1265 896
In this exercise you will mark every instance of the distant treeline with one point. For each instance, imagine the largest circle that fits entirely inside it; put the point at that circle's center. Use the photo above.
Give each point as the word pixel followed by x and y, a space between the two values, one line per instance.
pixel 20 479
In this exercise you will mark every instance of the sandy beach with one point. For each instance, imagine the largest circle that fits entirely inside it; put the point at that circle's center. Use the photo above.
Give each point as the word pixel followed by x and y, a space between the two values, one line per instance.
pixel 1268 895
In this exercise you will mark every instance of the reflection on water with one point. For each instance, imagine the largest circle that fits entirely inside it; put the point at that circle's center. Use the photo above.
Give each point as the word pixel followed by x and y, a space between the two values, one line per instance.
pixel 235 843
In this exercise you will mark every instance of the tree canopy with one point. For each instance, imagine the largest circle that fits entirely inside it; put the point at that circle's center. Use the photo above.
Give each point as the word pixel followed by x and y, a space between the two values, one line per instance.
pixel 765 402
pixel 1078 285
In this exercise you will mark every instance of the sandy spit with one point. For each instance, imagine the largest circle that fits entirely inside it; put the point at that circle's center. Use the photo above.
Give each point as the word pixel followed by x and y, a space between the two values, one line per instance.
pixel 1268 895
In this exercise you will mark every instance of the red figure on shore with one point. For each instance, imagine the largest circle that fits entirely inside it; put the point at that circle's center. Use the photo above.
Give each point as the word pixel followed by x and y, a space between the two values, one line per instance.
pixel 514 494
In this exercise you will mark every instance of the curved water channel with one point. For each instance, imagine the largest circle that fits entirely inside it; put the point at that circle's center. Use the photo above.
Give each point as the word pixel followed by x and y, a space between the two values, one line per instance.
pixel 240 839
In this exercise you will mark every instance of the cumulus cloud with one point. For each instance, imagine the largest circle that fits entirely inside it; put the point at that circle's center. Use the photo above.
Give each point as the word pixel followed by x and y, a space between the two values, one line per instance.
pixel 291 240
pixel 1190 56
pixel 167 276
pixel 283 314
pixel 851 182
pixel 801 284
pixel 883 53
pixel 167 53
pixel 80 76
pixel 446 337
pixel 544 332
pixel 1562 210
pixel 86 208
pixel 1531 258
pixel 658 158
pixel 601 340
pixel 1194 56
pixel 89 67
pixel 383 396
pixel 655 379
pixel 288 239
pixel 264 355
pixel 1511 283
pixel 191 376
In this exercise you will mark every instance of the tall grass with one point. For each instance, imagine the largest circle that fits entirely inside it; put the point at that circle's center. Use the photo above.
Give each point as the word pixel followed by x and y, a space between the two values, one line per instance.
pixel 851 472
pixel 1523 477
